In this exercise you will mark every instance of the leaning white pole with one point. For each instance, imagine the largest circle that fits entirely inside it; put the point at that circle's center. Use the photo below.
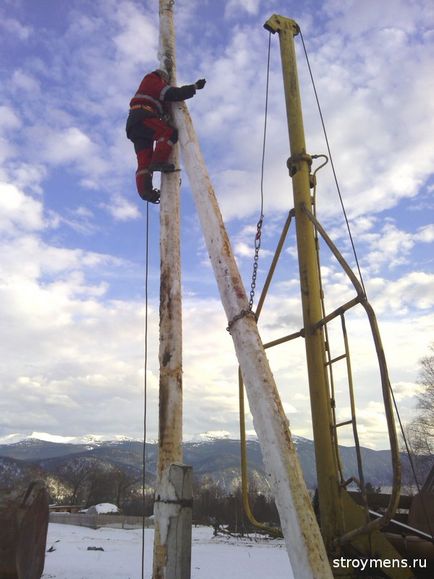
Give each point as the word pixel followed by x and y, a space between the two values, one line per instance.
pixel 302 535
pixel 172 507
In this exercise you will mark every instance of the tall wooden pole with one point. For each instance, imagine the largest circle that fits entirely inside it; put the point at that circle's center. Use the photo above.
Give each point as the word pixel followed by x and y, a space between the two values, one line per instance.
pixel 303 538
pixel 172 539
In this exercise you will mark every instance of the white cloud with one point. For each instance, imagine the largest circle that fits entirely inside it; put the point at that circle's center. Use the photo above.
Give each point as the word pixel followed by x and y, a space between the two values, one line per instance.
pixel 121 209
pixel 19 210
pixel 364 88
pixel 425 234
pixel 73 340
pixel 15 28
pixel 355 18
pixel 137 39
pixel 412 290
pixel 6 151
pixel 68 145
pixel 23 81
pixel 69 348
pixel 26 176
pixel 8 119
pixel 236 7
pixel 406 390
pixel 391 247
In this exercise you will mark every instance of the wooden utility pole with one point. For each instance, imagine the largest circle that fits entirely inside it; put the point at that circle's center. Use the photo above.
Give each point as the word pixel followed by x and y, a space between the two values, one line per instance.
pixel 172 539
pixel 303 538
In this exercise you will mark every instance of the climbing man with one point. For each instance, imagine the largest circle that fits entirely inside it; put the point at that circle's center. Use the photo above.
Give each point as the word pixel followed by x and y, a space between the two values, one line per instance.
pixel 148 124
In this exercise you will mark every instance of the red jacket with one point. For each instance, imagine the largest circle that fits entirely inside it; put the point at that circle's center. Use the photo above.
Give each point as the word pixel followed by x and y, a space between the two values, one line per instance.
pixel 154 92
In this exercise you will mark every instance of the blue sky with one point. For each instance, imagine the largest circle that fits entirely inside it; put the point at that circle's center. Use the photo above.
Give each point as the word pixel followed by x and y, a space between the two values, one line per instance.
pixel 72 227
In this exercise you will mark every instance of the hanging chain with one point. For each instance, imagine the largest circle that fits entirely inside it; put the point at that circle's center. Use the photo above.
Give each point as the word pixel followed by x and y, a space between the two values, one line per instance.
pixel 256 261
pixel 261 218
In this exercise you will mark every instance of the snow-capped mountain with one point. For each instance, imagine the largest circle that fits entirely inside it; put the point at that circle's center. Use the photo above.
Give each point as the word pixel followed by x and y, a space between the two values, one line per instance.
pixel 212 458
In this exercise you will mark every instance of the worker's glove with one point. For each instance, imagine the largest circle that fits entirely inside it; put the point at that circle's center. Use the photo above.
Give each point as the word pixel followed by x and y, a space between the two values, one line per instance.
pixel 200 83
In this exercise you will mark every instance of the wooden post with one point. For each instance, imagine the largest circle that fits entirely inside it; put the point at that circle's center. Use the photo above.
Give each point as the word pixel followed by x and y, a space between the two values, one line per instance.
pixel 172 554
pixel 174 511
pixel 23 532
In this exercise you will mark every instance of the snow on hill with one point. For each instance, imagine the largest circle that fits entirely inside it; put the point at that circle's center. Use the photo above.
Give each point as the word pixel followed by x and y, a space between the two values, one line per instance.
pixel 90 439
pixel 212 458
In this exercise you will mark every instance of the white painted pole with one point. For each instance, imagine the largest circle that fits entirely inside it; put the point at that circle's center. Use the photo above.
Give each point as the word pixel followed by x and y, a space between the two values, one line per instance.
pixel 172 537
pixel 304 543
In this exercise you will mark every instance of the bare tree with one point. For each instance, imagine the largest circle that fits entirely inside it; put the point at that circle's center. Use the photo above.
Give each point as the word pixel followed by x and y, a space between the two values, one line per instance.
pixel 100 485
pixel 75 472
pixel 123 483
pixel 420 431
pixel 426 400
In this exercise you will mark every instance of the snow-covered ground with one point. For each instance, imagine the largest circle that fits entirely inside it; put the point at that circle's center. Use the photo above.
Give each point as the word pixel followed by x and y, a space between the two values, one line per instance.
pixel 220 557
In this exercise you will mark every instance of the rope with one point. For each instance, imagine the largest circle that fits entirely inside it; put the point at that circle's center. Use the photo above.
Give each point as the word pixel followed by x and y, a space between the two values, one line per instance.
pixel 332 163
pixel 145 389
pixel 261 217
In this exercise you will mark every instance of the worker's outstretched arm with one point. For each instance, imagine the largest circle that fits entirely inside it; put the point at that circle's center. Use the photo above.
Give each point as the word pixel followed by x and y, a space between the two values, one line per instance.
pixel 182 93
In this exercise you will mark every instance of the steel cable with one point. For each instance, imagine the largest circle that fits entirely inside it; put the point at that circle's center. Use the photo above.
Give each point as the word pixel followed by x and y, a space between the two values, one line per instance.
pixel 332 163
pixel 261 217
pixel 145 389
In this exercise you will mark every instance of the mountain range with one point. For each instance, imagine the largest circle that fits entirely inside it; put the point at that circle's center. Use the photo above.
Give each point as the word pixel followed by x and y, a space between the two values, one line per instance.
pixel 216 460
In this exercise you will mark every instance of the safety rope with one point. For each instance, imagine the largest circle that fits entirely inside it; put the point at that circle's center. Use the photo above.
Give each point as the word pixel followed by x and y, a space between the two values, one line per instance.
pixel 261 216
pixel 145 389
pixel 332 163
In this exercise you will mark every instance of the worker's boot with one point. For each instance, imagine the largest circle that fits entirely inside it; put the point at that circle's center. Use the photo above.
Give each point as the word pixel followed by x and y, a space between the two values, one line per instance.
pixel 145 188
pixel 164 167
pixel 152 196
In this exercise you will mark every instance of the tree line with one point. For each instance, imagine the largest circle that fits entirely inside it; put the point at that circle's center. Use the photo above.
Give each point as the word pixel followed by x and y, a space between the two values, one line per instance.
pixel 86 481
pixel 90 482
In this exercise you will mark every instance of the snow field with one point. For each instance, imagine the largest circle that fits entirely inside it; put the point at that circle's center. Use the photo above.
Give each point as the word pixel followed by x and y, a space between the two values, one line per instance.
pixel 221 557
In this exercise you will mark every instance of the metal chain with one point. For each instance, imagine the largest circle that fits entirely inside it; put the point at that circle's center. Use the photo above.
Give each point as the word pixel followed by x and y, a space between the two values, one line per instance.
pixel 239 316
pixel 261 218
pixel 256 261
